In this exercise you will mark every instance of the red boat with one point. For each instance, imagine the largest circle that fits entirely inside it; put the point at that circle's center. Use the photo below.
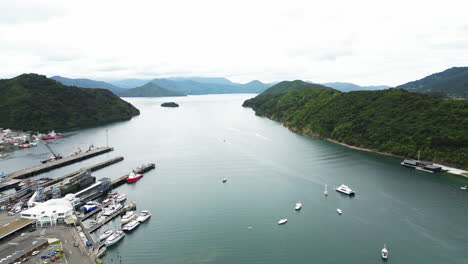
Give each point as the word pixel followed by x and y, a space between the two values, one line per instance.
pixel 47 137
pixel 133 177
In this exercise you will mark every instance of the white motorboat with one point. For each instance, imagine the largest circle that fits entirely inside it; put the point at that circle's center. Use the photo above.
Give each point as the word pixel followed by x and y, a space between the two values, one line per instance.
pixel 106 234
pixel 112 208
pixel 131 225
pixel 128 216
pixel 384 252
pixel 345 189
pixel 120 198
pixel 339 211
pixel 143 216
pixel 325 192
pixel 282 221
pixel 298 206
pixel 114 238
pixel 90 206
pixel 464 188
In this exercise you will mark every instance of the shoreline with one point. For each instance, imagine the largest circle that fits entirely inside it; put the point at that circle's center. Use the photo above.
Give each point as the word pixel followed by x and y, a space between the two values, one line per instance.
pixel 451 170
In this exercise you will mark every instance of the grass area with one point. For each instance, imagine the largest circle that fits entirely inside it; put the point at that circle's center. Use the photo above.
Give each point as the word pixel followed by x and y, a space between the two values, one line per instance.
pixel 58 242
pixel 98 261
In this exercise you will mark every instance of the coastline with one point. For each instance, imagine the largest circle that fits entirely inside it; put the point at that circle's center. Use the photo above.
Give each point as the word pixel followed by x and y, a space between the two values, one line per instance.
pixel 451 170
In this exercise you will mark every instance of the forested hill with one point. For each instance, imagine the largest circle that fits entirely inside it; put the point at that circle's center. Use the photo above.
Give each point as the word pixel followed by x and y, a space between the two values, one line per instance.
pixel 87 83
pixel 451 83
pixel 393 120
pixel 34 102
pixel 149 90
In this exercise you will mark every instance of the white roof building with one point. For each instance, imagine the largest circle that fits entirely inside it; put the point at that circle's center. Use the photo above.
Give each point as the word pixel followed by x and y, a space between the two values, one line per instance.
pixel 48 212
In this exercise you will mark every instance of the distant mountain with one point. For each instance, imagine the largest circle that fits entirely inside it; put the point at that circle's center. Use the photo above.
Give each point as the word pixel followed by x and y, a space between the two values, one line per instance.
pixel 347 87
pixel 149 90
pixel 87 83
pixel 129 83
pixel 392 120
pixel 209 86
pixel 451 83
pixel 35 102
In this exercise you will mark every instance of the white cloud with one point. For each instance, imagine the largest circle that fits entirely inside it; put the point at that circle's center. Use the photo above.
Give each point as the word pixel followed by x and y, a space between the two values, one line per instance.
pixel 361 41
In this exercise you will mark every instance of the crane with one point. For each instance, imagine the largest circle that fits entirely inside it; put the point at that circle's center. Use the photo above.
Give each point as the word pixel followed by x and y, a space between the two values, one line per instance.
pixel 55 156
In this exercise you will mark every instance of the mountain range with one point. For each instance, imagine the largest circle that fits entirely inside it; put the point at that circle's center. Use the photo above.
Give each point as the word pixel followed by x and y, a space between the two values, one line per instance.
pixel 452 83
pixel 88 83
pixel 149 90
pixel 347 87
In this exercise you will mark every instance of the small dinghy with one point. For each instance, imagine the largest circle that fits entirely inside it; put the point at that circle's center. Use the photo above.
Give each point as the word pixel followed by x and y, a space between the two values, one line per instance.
pixel 282 221
pixel 298 206
pixel 339 211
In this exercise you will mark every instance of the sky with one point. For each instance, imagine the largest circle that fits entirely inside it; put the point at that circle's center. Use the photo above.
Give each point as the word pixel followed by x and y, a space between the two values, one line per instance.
pixel 365 42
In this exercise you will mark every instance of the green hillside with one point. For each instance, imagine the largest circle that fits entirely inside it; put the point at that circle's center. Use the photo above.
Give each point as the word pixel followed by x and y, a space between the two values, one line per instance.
pixel 451 83
pixel 393 120
pixel 34 102
pixel 149 90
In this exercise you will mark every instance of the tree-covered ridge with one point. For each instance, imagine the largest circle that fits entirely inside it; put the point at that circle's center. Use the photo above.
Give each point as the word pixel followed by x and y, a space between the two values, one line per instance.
pixel 393 120
pixel 449 83
pixel 87 83
pixel 34 102
pixel 149 90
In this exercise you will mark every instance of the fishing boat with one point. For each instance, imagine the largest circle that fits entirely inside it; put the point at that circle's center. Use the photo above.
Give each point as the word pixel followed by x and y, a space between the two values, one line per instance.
pixel 25 145
pixel 339 211
pixel 132 225
pixel 298 206
pixel 384 253
pixel 90 206
pixel 114 238
pixel 143 216
pixel 325 192
pixel 120 198
pixel 133 177
pixel 345 189
pixel 127 217
pixel 282 221
pixel 106 234
pixel 47 137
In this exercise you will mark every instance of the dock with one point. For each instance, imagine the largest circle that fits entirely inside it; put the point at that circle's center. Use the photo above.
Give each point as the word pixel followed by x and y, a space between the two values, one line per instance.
pixel 121 180
pixel 26 173
pixel 9 184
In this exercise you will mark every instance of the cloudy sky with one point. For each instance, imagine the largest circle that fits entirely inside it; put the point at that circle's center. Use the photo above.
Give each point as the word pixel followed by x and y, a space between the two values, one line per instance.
pixel 360 41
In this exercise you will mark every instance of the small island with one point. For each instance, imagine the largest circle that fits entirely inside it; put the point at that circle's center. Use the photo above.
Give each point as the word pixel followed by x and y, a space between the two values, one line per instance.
pixel 169 104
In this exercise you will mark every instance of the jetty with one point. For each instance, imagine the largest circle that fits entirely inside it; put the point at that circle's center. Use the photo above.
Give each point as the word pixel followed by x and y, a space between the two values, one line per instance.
pixel 51 165
pixel 121 180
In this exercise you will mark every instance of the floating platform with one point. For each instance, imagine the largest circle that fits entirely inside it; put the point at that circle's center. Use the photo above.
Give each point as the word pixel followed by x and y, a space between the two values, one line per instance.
pixel 26 173
pixel 145 168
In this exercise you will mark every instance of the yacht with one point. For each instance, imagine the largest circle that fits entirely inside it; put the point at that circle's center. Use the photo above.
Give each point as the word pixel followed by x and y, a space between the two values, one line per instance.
pixel 129 216
pixel 339 211
pixel 114 238
pixel 143 216
pixel 384 253
pixel 112 208
pixel 120 198
pixel 131 225
pixel 282 221
pixel 90 206
pixel 106 234
pixel 345 189
pixel 298 206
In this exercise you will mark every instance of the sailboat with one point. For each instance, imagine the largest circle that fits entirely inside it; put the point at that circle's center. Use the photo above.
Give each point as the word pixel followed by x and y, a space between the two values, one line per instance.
pixel 325 192
pixel 384 252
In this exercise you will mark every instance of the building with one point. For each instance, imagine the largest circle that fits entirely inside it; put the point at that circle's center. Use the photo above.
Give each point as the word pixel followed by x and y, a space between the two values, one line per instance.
pixel 50 212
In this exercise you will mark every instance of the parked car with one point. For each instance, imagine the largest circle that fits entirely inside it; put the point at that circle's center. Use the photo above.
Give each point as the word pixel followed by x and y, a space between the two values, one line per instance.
pixel 11 213
pixel 35 253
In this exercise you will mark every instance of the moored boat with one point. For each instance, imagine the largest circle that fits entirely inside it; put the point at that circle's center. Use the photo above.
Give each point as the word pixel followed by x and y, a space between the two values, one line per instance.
pixel 133 177
pixel 129 216
pixel 112 208
pixel 132 225
pixel 345 189
pixel 114 238
pixel 90 206
pixel 106 234
pixel 282 221
pixel 143 216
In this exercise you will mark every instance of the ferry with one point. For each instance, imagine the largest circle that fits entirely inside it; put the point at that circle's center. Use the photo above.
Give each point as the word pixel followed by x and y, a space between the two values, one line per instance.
pixel 133 177
pixel 143 216
pixel 131 226
pixel 345 189
pixel 114 238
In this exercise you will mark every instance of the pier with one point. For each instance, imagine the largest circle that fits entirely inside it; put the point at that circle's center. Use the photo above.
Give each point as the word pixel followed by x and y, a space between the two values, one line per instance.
pixel 25 173
pixel 121 180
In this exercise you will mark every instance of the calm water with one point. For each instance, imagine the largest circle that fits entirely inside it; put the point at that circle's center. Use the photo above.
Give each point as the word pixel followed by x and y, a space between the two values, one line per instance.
pixel 423 218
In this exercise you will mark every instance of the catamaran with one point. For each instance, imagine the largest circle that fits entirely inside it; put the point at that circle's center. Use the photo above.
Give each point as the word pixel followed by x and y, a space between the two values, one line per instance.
pixel 345 189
